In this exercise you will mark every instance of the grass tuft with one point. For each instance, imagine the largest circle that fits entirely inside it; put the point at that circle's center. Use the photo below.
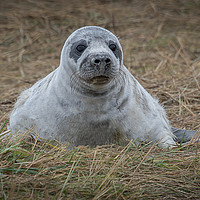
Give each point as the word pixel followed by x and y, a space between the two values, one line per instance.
pixel 105 172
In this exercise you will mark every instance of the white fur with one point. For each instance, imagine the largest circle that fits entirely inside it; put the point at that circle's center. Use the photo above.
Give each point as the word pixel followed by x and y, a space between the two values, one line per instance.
pixel 55 111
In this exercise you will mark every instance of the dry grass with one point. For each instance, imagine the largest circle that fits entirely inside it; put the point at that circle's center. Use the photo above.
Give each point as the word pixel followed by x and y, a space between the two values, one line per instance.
pixel 161 48
pixel 46 170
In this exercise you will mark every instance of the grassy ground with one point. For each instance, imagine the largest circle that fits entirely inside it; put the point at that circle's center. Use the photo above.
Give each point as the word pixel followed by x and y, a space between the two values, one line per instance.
pixel 161 47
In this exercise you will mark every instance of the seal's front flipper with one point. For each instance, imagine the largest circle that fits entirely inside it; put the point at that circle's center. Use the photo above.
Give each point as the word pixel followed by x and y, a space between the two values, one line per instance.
pixel 182 135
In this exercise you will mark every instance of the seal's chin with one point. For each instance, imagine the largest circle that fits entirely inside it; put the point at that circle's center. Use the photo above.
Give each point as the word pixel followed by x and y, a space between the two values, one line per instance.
pixel 99 80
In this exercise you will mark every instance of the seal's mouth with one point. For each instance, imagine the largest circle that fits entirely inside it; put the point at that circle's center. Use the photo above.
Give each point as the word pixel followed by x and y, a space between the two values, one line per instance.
pixel 99 80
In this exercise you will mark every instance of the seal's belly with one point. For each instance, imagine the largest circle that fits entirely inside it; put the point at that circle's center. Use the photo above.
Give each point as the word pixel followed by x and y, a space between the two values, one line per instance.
pixel 84 130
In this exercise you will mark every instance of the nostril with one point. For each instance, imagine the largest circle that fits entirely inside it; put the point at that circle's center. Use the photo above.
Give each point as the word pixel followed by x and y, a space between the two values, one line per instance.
pixel 97 61
pixel 100 60
pixel 107 61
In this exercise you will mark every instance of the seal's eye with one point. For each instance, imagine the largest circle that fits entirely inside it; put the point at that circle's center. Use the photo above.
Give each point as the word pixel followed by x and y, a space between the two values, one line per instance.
pixel 80 48
pixel 113 47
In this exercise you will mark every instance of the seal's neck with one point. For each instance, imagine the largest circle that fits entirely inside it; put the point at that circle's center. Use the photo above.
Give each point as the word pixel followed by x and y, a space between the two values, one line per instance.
pixel 85 89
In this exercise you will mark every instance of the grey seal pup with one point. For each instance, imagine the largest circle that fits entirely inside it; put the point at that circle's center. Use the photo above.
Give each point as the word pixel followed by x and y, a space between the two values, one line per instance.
pixel 91 98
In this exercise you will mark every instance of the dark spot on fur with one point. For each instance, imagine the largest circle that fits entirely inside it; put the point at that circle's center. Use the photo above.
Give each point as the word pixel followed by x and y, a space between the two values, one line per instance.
pixel 74 53
pixel 123 103
pixel 117 52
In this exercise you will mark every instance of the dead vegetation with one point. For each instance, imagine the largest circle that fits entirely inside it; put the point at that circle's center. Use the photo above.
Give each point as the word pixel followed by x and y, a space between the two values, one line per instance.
pixel 161 47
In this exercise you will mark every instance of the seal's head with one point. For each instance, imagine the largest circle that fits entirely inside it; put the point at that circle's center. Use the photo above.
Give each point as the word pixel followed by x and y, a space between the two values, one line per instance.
pixel 94 55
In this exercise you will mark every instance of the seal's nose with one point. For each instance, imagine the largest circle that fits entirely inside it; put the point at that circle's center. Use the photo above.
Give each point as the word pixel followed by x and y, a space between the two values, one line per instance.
pixel 101 62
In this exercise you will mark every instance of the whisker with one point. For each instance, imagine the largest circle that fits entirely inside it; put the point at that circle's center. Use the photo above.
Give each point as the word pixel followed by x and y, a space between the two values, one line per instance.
pixel 120 78
pixel 74 81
